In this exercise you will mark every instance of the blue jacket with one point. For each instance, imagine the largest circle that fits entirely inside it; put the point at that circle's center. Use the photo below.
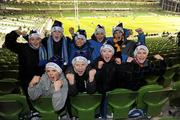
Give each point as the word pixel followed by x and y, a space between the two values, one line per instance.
pixel 95 46
pixel 84 51
pixel 141 39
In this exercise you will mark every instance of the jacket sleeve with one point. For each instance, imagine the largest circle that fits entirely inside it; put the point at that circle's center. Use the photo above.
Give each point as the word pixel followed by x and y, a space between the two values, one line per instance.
pixel 72 90
pixel 11 42
pixel 158 67
pixel 36 91
pixel 91 87
pixel 59 97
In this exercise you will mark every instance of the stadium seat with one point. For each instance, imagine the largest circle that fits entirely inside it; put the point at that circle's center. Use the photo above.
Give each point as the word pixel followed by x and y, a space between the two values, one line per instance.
pixel 155 100
pixel 12 105
pixel 44 106
pixel 152 79
pixel 121 101
pixel 175 97
pixel 9 74
pixel 168 76
pixel 141 93
pixel 10 109
pixel 84 105
pixel 8 85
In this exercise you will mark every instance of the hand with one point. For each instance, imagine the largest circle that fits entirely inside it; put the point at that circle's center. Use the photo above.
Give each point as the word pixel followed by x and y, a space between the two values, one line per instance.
pixel 100 64
pixel 118 61
pixel 35 80
pixel 71 31
pixel 21 31
pixel 91 75
pixel 70 78
pixel 158 57
pixel 58 84
pixel 130 59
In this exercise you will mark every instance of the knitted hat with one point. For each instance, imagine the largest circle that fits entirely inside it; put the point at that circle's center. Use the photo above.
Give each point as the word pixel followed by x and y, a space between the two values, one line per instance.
pixel 119 27
pixel 34 33
pixel 79 58
pixel 81 34
pixel 107 46
pixel 136 113
pixel 99 29
pixel 140 47
pixel 54 62
pixel 57 26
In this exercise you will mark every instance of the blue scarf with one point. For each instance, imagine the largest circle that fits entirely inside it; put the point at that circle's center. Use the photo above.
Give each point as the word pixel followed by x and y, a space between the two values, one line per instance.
pixel 64 54
pixel 42 54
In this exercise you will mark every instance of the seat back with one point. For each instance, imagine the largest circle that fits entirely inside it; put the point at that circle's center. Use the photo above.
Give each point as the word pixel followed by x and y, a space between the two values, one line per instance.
pixel 168 76
pixel 155 100
pixel 142 91
pixel 44 106
pixel 12 105
pixel 8 86
pixel 121 101
pixel 84 105
pixel 175 97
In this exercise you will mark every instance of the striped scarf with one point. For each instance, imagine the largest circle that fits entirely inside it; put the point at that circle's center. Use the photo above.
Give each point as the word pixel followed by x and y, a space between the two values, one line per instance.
pixel 64 54
pixel 42 54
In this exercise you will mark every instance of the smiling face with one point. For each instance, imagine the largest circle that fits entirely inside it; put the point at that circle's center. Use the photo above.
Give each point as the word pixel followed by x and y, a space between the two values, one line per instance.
pixel 80 67
pixel 79 42
pixel 100 36
pixel 106 54
pixel 118 35
pixel 35 41
pixel 52 73
pixel 57 35
pixel 141 56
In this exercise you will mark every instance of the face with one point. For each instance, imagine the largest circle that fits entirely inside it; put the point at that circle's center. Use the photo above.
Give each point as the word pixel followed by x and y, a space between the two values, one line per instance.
pixel 80 67
pixel 141 56
pixel 79 42
pixel 100 36
pixel 53 74
pixel 57 35
pixel 35 41
pixel 106 54
pixel 118 35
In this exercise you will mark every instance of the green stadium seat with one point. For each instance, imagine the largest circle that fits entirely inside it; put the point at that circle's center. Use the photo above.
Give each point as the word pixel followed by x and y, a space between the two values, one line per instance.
pixel 175 97
pixel 85 105
pixel 120 102
pixel 152 79
pixel 44 106
pixel 11 106
pixel 8 85
pixel 10 109
pixel 168 76
pixel 9 74
pixel 155 100
pixel 142 91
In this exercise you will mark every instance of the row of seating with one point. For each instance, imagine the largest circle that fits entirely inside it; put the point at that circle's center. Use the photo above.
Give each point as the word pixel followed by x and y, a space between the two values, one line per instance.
pixel 150 99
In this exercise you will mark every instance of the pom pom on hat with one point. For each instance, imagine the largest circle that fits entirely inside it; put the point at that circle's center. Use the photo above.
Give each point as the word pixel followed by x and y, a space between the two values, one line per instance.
pixel 81 34
pixel 99 29
pixel 54 62
pixel 119 27
pixel 107 46
pixel 57 26
pixel 139 48
pixel 34 33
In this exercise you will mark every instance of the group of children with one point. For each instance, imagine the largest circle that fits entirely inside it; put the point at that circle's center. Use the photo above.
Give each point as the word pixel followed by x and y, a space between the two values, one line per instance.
pixel 58 66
